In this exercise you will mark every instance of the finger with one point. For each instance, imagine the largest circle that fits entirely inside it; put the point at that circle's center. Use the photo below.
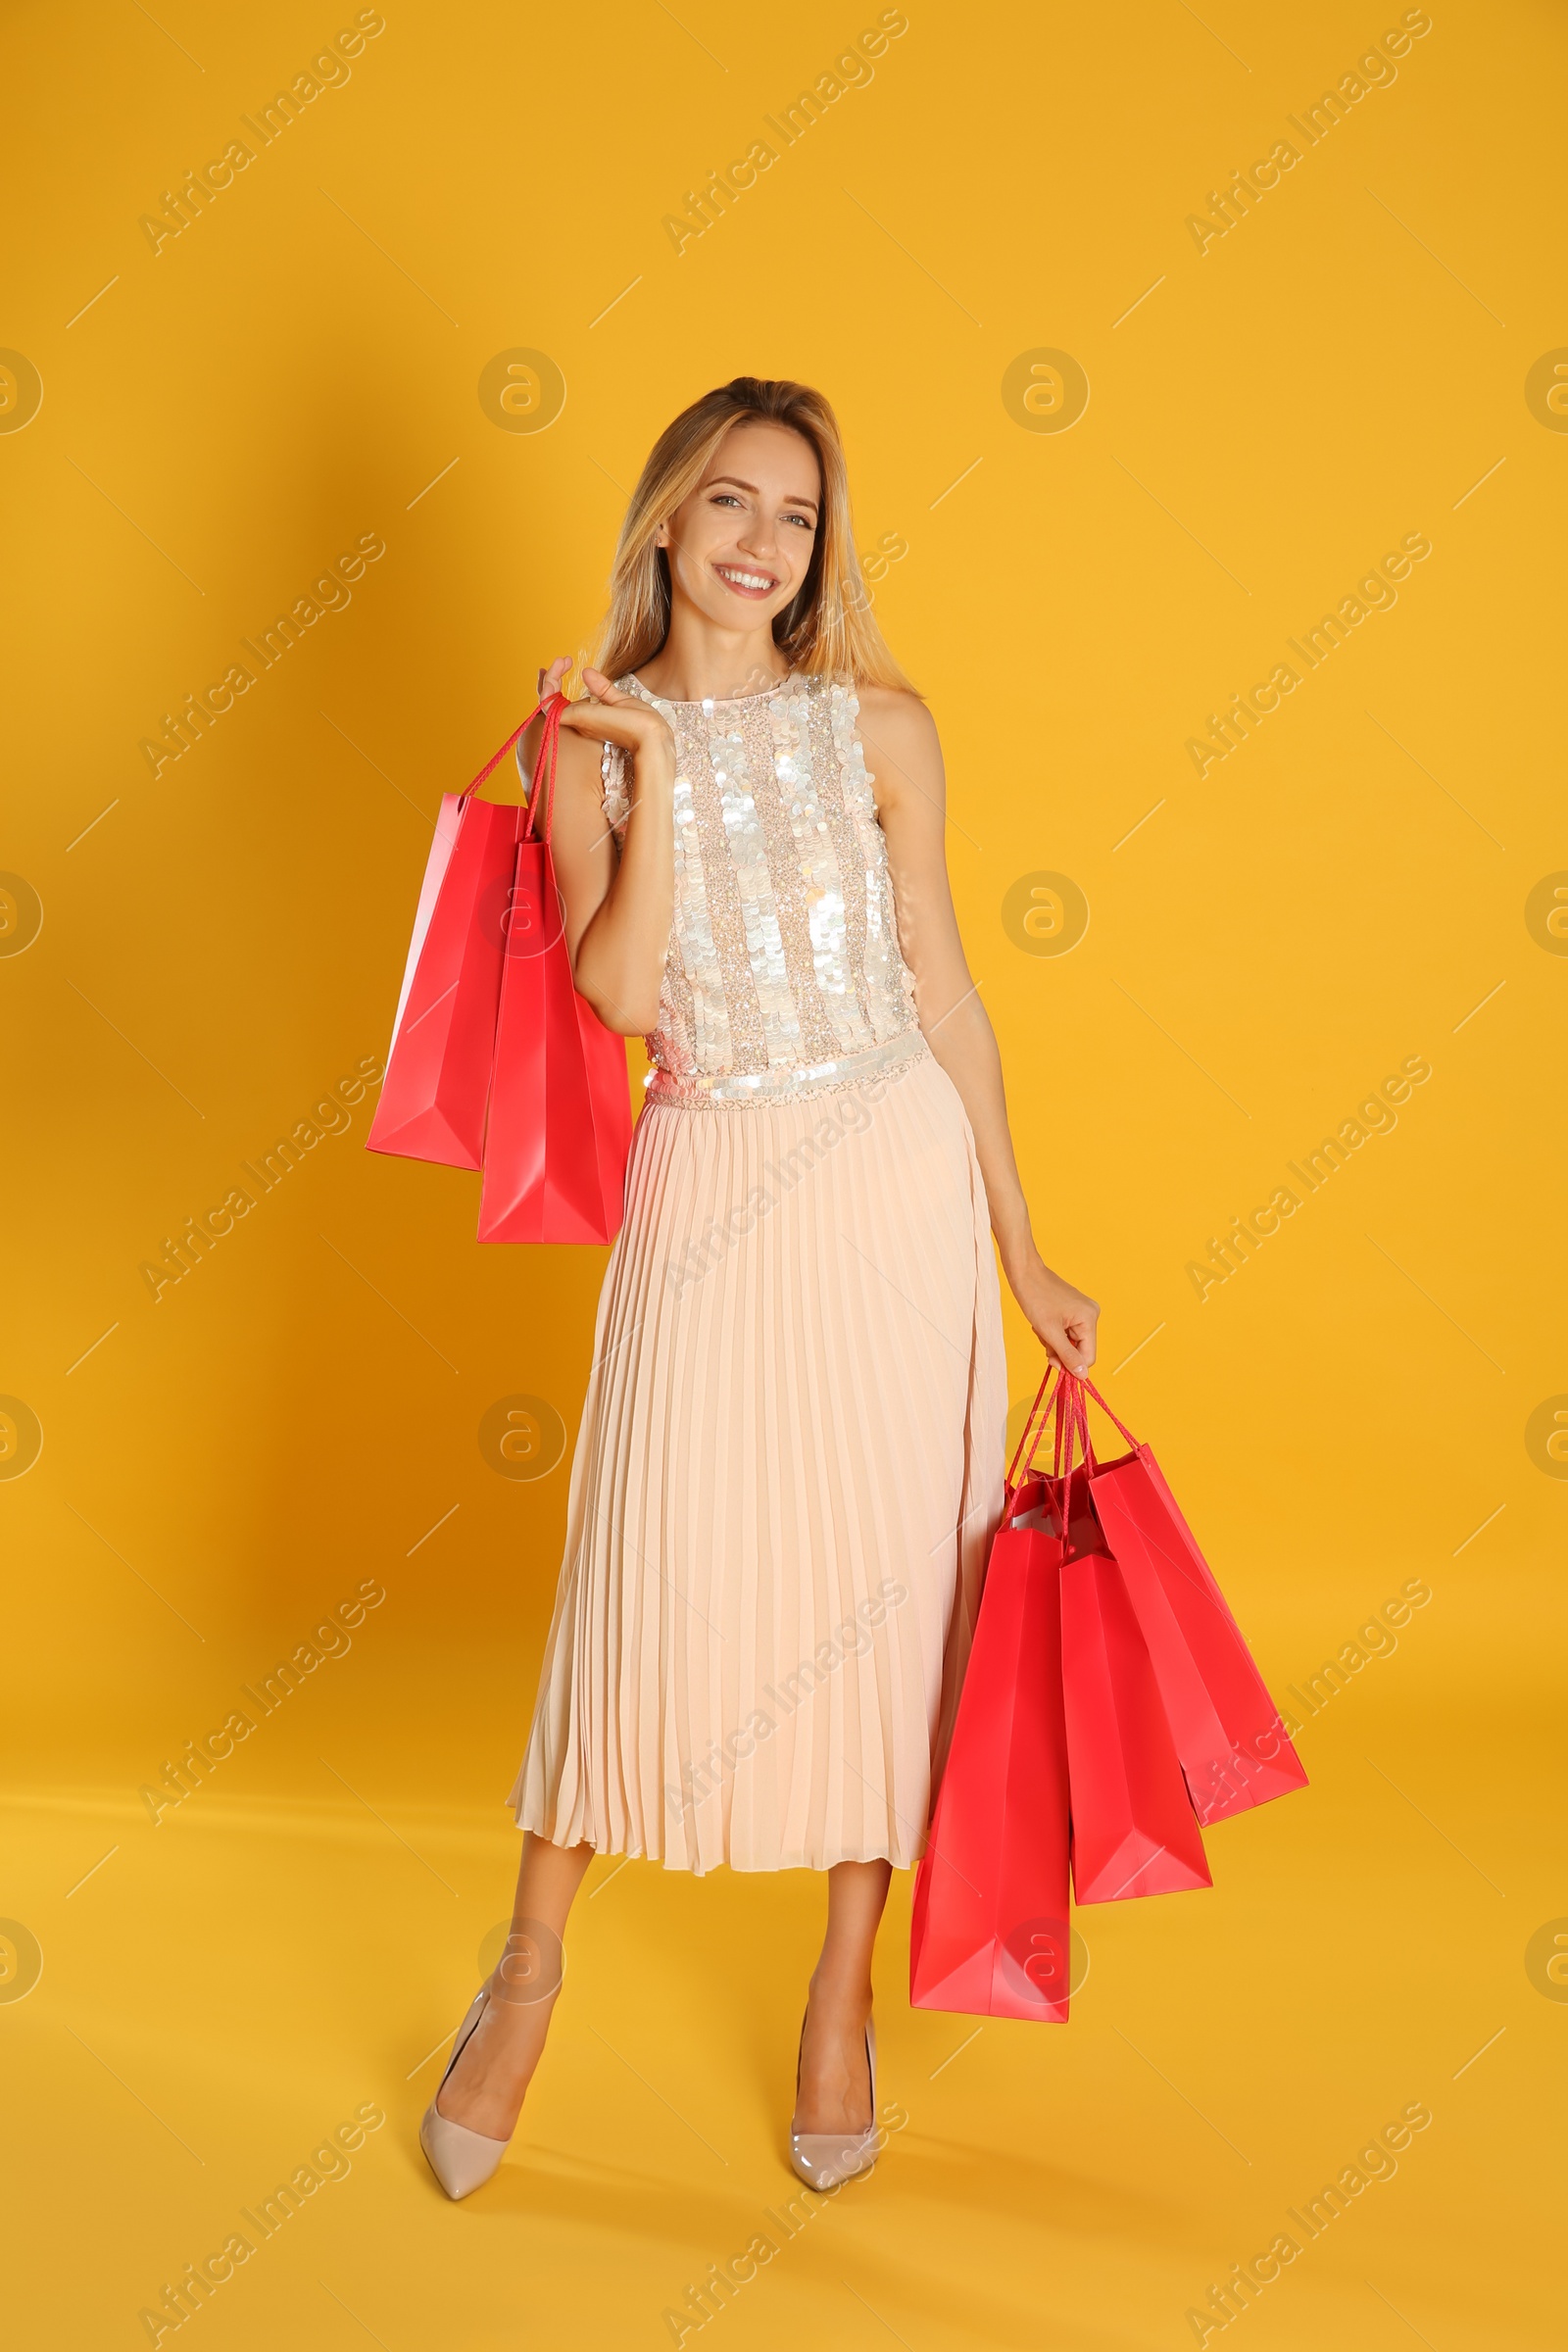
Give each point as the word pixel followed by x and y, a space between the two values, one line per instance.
pixel 582 719
pixel 1081 1335
pixel 605 722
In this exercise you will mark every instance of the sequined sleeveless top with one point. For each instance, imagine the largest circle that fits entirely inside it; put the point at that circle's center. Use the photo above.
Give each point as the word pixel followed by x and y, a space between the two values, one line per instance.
pixel 784 976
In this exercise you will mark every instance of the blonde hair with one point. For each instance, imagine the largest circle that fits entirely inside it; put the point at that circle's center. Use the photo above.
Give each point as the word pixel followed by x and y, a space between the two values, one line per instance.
pixel 826 628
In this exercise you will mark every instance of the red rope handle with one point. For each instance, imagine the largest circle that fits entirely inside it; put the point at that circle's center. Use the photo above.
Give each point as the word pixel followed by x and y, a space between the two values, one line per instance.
pixel 1071 1425
pixel 548 743
pixel 1085 1383
pixel 1080 1414
pixel 549 746
pixel 1049 1400
pixel 1034 1429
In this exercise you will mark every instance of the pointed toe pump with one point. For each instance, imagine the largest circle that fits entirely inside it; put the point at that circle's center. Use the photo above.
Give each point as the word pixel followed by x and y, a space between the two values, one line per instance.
pixel 823 2159
pixel 460 2160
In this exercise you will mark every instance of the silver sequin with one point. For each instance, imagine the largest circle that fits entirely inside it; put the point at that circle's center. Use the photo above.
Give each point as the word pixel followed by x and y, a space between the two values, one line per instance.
pixel 784 976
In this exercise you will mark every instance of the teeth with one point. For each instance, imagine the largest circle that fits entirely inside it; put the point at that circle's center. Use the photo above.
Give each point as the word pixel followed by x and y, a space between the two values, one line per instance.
pixel 745 579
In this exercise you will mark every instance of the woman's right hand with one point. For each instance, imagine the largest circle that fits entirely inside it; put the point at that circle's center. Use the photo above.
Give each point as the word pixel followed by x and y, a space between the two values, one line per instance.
pixel 619 900
pixel 606 716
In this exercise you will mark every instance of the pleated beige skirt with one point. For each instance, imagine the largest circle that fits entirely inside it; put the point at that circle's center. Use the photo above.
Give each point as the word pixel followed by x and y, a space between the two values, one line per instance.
pixel 788 1472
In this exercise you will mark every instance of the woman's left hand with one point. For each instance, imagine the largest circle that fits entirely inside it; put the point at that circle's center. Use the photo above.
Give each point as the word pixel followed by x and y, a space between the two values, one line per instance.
pixel 1062 1318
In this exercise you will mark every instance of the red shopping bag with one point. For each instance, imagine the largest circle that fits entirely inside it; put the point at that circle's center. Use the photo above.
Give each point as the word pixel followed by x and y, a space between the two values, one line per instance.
pixel 437 1083
pixel 1227 1730
pixel 559 1132
pixel 989 1932
pixel 1106 1675
pixel 1133 1830
pixel 496 1061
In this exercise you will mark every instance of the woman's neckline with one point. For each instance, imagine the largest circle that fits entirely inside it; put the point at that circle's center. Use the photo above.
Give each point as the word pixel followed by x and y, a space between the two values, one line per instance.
pixel 715 702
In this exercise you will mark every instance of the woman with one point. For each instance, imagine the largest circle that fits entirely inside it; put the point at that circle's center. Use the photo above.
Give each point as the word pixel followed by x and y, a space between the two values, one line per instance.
pixel 791 1454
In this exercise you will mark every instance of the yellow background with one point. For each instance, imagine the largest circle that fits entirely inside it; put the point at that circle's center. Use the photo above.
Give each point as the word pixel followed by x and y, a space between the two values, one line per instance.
pixel 294 370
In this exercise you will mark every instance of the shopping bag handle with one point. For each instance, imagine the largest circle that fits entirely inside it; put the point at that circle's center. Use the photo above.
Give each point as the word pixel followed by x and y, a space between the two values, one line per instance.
pixel 548 743
pixel 1062 1412
pixel 1064 1403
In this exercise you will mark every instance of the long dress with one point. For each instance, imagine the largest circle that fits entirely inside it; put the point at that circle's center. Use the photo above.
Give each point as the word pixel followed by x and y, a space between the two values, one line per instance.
pixel 790 1461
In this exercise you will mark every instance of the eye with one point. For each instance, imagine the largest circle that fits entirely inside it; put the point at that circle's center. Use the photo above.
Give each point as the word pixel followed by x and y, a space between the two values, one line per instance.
pixel 805 521
pixel 723 498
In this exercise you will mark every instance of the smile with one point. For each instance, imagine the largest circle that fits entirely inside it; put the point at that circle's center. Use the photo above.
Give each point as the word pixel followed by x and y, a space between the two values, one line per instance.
pixel 747 583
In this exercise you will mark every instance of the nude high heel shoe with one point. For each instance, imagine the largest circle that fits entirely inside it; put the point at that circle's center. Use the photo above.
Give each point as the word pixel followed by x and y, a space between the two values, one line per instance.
pixel 460 2160
pixel 823 2159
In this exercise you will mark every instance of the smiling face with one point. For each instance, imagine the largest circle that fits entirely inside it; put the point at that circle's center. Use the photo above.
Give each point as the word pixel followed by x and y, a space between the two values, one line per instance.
pixel 740 546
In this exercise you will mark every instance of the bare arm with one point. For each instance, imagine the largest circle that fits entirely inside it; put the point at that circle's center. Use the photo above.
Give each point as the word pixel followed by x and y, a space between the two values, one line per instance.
pixel 618 907
pixel 905 757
